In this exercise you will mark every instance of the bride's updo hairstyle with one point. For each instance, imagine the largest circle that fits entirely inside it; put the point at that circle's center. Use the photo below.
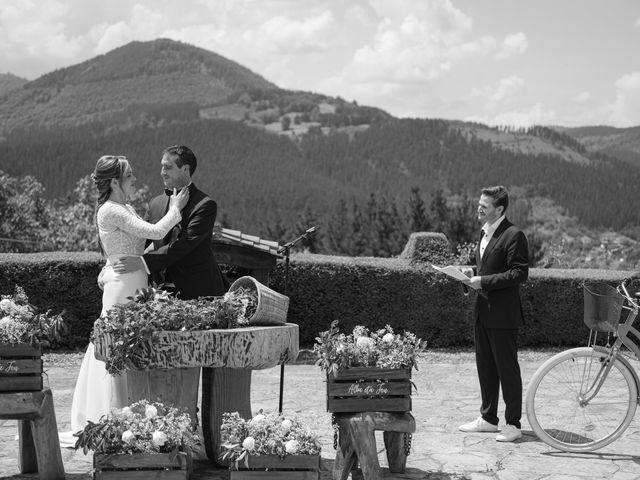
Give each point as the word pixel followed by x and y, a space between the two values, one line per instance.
pixel 107 168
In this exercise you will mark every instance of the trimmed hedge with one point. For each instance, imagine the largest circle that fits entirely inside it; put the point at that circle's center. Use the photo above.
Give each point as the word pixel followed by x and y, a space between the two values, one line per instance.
pixel 58 281
pixel 405 294
pixel 409 296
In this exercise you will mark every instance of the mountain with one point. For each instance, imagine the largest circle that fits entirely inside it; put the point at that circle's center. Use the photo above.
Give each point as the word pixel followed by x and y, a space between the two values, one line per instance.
pixel 622 143
pixel 10 82
pixel 146 73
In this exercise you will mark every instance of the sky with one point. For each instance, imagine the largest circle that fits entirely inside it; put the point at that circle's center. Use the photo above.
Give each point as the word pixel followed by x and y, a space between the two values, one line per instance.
pixel 498 62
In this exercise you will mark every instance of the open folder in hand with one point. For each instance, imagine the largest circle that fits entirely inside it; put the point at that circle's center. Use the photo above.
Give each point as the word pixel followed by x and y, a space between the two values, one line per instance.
pixel 454 273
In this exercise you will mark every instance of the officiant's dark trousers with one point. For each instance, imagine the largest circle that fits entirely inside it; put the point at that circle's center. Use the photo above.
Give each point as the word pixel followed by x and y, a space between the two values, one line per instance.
pixel 497 363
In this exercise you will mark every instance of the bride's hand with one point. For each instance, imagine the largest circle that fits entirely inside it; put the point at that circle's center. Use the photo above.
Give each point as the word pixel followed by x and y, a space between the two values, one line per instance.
pixel 179 199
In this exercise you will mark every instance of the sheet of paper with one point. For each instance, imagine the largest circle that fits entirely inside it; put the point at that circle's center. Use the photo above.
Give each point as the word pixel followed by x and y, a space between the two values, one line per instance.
pixel 454 273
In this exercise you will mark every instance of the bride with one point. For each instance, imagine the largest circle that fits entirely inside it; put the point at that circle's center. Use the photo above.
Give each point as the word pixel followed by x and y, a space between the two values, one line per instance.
pixel 120 232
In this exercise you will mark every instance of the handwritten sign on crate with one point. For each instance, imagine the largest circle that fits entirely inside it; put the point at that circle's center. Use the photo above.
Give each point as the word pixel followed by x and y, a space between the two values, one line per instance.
pixel 20 368
pixel 369 389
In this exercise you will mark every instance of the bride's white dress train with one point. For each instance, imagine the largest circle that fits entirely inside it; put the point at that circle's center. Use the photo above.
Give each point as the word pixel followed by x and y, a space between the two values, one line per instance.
pixel 122 232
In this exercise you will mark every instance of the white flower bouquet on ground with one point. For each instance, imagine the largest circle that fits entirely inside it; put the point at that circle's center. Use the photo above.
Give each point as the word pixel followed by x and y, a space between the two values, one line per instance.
pixel 275 435
pixel 142 427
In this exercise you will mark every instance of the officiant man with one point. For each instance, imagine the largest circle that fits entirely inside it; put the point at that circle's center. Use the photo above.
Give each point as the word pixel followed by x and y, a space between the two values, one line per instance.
pixel 502 264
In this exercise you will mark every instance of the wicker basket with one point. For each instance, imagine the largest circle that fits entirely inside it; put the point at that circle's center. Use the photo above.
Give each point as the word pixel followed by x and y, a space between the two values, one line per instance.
pixel 602 307
pixel 272 306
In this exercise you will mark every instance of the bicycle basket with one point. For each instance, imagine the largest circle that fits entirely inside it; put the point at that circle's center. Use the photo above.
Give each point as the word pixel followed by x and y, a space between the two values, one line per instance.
pixel 602 307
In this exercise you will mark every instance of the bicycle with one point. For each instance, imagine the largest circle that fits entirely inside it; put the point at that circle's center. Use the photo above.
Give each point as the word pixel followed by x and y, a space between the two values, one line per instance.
pixel 584 398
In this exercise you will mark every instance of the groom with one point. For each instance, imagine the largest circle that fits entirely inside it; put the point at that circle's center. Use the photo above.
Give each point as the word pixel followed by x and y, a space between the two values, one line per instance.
pixel 183 260
pixel 184 257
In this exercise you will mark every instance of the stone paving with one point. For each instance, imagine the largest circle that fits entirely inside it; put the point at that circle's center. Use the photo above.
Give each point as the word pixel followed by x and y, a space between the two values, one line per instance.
pixel 447 396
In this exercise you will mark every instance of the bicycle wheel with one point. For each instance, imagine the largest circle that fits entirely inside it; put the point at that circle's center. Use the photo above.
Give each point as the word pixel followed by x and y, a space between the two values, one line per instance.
pixel 556 406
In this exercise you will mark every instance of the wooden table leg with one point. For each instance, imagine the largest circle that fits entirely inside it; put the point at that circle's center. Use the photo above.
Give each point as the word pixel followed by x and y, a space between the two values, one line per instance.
pixel 27 460
pixel 45 438
pixel 363 441
pixel 346 459
pixel 223 390
pixel 396 455
pixel 177 386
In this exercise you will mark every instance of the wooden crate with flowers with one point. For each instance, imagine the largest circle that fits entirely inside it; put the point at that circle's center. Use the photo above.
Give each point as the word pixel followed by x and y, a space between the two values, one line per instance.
pixel 140 441
pixel 272 446
pixel 367 371
pixel 23 333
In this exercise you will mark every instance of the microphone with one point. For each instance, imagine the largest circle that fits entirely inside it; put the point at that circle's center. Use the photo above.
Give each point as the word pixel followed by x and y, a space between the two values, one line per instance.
pixel 287 246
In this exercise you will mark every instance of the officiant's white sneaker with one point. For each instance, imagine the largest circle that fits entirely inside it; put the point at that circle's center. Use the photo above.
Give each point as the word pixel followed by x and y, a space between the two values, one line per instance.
pixel 510 433
pixel 478 425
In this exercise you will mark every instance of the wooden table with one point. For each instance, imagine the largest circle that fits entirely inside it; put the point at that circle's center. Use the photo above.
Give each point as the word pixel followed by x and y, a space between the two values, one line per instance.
pixel 228 355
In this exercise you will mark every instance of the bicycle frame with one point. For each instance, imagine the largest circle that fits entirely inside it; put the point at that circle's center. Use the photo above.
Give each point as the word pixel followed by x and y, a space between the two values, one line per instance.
pixel 613 353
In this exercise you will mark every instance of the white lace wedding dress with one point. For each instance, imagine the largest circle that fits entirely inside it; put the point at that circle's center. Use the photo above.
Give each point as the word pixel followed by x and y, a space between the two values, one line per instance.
pixel 122 232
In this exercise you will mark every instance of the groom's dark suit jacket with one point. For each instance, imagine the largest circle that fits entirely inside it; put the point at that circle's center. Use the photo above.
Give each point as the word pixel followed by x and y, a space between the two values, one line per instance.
pixel 185 257
pixel 503 267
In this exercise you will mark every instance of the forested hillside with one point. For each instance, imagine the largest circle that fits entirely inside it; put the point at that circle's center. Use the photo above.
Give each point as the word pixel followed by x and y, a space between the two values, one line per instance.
pixel 622 143
pixel 259 177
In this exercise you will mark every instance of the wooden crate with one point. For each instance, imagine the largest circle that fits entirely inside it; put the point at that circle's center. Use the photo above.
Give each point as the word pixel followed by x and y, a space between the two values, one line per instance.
pixel 20 368
pixel 139 466
pixel 272 467
pixel 369 389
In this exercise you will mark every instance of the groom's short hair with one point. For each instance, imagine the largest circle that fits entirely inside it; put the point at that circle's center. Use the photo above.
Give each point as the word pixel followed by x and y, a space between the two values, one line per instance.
pixel 184 156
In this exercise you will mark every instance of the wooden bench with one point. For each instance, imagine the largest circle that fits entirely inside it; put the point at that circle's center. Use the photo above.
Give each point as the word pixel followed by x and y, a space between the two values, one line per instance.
pixel 39 447
pixel 357 442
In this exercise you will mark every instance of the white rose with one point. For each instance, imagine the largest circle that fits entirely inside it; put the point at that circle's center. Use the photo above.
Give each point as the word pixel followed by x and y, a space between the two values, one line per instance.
pixel 127 412
pixel 291 446
pixel 127 436
pixel 150 411
pixel 7 305
pixel 286 425
pixel 5 321
pixel 249 443
pixel 388 337
pixel 364 342
pixel 258 418
pixel 159 438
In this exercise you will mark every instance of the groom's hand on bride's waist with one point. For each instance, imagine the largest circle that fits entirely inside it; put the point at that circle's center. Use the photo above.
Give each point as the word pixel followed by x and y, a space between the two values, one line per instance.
pixel 128 264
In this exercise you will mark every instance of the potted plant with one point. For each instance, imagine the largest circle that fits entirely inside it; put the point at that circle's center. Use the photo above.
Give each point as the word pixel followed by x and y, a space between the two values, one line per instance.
pixel 23 333
pixel 367 370
pixel 268 443
pixel 144 436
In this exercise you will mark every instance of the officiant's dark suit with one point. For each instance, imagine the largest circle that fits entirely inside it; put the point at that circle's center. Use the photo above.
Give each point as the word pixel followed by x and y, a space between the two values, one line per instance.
pixel 502 267
pixel 185 256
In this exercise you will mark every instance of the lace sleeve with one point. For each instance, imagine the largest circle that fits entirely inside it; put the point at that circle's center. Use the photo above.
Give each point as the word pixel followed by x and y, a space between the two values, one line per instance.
pixel 128 221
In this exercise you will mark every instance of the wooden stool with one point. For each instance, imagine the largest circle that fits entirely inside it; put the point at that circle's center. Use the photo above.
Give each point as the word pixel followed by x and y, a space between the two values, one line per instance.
pixel 357 442
pixel 39 446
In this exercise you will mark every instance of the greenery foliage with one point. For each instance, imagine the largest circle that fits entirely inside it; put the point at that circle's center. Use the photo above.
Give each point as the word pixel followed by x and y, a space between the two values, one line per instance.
pixel 363 348
pixel 142 427
pixel 21 323
pixel 265 434
pixel 131 327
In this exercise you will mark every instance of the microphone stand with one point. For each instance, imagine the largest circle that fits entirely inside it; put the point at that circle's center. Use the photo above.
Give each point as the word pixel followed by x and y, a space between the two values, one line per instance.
pixel 286 250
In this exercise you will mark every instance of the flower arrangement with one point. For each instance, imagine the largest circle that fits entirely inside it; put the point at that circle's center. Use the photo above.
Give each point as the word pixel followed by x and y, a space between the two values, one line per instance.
pixel 131 326
pixel 20 322
pixel 265 434
pixel 363 348
pixel 142 427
